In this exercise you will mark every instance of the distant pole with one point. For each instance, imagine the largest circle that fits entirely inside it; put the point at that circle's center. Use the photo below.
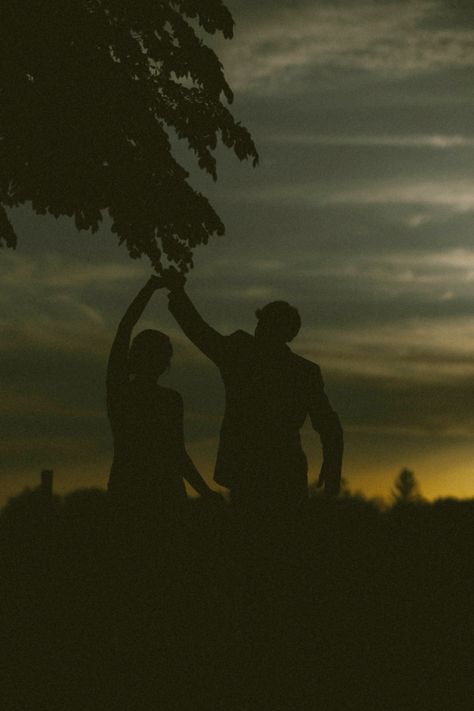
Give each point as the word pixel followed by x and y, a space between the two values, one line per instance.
pixel 47 484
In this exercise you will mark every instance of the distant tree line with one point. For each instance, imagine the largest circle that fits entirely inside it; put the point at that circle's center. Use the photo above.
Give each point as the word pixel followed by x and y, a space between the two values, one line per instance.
pixel 406 490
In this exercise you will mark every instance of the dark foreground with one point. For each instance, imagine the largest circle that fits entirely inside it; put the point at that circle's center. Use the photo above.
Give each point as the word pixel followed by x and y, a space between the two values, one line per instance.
pixel 350 608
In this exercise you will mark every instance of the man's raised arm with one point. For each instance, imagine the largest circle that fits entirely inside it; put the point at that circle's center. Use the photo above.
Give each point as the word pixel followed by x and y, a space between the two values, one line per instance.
pixel 204 337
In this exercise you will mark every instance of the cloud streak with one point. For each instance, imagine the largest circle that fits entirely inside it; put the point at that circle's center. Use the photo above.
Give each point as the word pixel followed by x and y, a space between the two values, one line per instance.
pixel 437 141
pixel 421 350
pixel 273 50
pixel 54 270
pixel 453 194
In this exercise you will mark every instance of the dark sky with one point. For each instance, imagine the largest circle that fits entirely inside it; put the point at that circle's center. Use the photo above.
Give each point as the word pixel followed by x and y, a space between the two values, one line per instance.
pixel 361 213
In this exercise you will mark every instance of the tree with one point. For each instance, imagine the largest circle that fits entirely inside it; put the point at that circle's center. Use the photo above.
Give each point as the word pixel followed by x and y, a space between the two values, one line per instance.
pixel 90 92
pixel 406 490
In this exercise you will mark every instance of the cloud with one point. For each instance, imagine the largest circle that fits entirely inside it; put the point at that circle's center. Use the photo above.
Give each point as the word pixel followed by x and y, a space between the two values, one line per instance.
pixel 68 447
pixel 422 272
pixel 16 403
pixel 437 141
pixel 410 350
pixel 54 270
pixel 275 49
pixel 51 301
pixel 453 194
pixel 449 13
pixel 44 333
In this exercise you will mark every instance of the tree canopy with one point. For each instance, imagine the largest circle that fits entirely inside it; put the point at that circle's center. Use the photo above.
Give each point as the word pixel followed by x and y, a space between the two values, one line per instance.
pixel 90 92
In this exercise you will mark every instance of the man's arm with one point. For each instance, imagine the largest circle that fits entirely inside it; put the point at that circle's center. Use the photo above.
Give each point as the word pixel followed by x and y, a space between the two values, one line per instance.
pixel 204 337
pixel 117 367
pixel 326 422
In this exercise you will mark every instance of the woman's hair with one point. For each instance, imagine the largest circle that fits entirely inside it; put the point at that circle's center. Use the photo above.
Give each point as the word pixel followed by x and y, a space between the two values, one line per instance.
pixel 150 353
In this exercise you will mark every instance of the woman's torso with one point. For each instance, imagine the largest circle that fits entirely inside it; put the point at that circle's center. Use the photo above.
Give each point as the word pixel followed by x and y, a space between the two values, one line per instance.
pixel 146 422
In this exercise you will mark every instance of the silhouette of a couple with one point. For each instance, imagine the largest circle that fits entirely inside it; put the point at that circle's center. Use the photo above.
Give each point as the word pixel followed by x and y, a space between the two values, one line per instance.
pixel 269 391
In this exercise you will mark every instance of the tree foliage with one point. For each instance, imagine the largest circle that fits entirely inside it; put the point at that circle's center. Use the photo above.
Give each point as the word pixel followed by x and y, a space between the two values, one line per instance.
pixel 89 92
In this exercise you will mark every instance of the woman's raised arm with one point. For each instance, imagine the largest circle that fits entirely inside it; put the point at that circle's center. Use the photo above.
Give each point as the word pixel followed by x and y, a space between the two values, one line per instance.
pixel 117 367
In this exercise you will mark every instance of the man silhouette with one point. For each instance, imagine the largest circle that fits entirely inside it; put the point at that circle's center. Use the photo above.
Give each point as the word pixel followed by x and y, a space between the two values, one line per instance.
pixel 269 391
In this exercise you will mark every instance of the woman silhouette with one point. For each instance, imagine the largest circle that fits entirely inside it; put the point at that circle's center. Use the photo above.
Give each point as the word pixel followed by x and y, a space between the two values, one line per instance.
pixel 150 458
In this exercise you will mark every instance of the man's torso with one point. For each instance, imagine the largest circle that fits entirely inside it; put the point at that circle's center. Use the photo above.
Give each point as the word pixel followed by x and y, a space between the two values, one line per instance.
pixel 266 405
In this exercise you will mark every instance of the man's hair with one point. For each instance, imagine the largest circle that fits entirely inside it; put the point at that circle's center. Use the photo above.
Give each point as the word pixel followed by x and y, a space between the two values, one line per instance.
pixel 282 318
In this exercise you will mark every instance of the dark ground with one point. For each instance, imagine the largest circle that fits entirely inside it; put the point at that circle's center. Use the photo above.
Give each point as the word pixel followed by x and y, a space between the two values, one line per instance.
pixel 350 608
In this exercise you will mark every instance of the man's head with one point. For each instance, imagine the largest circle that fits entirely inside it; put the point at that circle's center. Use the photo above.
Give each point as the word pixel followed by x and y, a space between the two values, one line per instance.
pixel 150 353
pixel 278 322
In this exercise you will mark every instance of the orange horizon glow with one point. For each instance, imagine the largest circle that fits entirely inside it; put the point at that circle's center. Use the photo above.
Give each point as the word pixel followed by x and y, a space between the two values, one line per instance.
pixel 443 474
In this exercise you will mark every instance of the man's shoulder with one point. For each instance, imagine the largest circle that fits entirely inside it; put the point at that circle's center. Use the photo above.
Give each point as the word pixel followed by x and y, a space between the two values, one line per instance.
pixel 172 396
pixel 306 366
pixel 237 348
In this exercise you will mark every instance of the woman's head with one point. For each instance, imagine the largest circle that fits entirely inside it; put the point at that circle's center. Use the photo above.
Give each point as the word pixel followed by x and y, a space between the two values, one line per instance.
pixel 150 353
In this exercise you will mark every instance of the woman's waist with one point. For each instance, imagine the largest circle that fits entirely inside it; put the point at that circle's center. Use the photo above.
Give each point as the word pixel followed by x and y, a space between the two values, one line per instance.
pixel 137 469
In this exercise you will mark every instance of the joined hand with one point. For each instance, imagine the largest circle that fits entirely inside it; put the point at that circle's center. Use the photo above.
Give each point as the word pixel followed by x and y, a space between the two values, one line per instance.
pixel 213 496
pixel 173 279
pixel 156 282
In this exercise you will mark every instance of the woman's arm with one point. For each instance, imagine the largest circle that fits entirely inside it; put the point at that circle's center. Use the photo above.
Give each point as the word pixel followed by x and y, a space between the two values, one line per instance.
pixel 189 470
pixel 195 480
pixel 117 367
